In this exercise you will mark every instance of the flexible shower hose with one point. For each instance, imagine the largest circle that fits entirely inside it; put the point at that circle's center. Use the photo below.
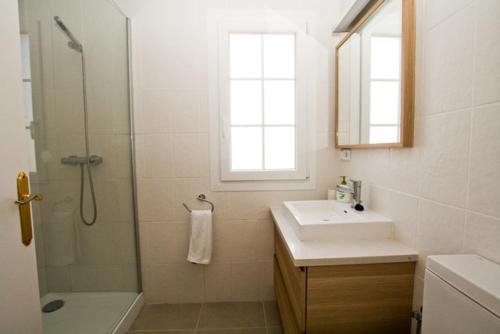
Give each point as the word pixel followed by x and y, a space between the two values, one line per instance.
pixel 87 156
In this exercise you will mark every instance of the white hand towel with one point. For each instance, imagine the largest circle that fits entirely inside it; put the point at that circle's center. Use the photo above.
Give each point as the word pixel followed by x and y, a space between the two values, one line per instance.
pixel 200 243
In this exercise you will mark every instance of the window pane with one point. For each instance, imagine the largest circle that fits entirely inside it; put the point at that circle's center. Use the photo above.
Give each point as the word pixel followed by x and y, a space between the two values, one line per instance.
pixel 246 102
pixel 246 148
pixel 385 57
pixel 384 134
pixel 279 102
pixel 279 56
pixel 245 55
pixel 279 147
pixel 384 102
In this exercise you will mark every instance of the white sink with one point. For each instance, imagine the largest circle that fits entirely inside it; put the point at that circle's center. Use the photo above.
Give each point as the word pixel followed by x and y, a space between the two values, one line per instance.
pixel 330 220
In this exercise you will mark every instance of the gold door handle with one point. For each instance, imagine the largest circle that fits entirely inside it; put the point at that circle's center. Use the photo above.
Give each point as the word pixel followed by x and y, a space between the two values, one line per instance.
pixel 23 201
pixel 29 198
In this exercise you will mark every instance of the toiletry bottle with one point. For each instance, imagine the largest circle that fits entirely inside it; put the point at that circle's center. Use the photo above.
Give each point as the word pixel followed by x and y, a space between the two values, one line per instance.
pixel 343 190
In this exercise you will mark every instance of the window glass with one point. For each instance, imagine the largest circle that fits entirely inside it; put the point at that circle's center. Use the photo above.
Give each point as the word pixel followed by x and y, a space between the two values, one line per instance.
pixel 246 102
pixel 279 148
pixel 384 102
pixel 279 56
pixel 385 57
pixel 246 148
pixel 245 52
pixel 279 102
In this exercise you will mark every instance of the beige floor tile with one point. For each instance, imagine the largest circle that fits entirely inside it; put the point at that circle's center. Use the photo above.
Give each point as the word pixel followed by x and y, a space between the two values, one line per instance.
pixel 233 331
pixel 166 316
pixel 232 315
pixel 274 330
pixel 187 331
pixel 272 315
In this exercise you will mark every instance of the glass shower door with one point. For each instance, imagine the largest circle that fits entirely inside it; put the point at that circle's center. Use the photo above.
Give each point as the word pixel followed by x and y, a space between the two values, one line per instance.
pixel 78 125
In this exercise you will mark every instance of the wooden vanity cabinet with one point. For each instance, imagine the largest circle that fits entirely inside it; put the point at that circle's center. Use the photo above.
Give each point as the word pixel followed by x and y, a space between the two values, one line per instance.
pixel 338 299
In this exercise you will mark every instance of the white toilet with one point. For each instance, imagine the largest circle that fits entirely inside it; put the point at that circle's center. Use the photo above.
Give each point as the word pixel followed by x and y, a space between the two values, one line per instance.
pixel 461 295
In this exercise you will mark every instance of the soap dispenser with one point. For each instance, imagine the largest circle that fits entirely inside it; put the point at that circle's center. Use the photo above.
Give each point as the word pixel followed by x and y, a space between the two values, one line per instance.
pixel 343 191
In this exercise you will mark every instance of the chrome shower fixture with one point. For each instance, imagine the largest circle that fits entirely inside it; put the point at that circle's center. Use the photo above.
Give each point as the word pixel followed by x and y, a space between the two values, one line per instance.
pixel 88 160
pixel 74 160
pixel 73 43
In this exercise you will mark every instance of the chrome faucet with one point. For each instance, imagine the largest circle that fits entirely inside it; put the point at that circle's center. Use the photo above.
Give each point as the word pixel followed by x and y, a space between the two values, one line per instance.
pixel 356 195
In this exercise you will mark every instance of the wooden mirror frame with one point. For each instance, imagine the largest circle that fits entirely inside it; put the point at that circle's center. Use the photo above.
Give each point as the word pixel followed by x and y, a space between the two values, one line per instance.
pixel 407 75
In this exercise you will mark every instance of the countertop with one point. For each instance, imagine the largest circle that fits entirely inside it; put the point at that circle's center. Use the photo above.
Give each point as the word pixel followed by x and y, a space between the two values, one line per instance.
pixel 322 253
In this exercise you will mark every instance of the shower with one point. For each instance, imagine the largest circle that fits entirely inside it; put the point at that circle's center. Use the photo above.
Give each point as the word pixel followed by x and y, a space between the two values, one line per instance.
pixel 73 43
pixel 88 160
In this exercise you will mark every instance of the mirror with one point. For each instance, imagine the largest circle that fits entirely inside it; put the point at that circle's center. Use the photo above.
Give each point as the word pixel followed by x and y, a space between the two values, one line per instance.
pixel 374 78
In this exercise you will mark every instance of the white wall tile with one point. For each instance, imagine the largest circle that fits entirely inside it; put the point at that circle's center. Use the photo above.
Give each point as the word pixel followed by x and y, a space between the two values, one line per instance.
pixel 487 52
pixel 58 279
pixel 444 155
pixel 187 155
pixel 83 278
pixel 448 64
pixel 160 284
pixel 153 115
pixel 166 242
pixel 439 11
pixel 154 201
pixel 130 277
pixel 218 282
pixel 484 175
pixel 405 172
pixel 185 111
pixel 400 207
pixel 190 282
pixel 248 281
pixel 154 155
pixel 481 236
pixel 110 278
pixel 234 240
pixel 440 230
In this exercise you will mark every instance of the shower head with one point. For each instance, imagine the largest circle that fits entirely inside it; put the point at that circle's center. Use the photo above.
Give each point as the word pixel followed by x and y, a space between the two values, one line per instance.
pixel 73 43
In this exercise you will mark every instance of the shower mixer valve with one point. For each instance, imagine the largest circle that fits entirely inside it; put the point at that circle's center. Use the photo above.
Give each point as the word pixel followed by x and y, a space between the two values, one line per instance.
pixel 74 160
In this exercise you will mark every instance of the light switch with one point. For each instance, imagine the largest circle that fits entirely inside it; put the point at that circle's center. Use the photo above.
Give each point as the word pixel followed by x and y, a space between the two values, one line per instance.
pixel 345 154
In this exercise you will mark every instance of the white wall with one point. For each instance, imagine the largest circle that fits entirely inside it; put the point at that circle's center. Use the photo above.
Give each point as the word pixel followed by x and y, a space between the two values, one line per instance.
pixel 172 135
pixel 443 193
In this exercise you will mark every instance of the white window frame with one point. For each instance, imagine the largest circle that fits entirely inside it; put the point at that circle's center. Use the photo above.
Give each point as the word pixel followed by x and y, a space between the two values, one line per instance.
pixel 221 176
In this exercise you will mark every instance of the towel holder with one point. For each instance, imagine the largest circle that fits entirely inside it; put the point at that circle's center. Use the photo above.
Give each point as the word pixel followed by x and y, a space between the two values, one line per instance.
pixel 203 198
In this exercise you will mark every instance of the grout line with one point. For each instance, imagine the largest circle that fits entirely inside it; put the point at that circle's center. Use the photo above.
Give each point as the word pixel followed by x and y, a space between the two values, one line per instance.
pixel 199 318
pixel 471 125
pixel 264 312
pixel 448 17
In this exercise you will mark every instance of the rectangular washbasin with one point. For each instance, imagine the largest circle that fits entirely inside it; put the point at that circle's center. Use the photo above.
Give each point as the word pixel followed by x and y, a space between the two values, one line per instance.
pixel 330 220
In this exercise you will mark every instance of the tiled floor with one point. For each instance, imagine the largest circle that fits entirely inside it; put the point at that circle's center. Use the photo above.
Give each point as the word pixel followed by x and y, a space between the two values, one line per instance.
pixel 209 318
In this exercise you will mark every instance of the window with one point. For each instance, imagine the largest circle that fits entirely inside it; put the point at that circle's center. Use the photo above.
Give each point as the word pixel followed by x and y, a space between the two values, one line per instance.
pixel 262 101
pixel 385 82
pixel 261 92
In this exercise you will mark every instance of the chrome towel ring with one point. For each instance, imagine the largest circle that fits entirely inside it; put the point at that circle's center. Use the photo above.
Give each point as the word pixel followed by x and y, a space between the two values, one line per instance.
pixel 203 198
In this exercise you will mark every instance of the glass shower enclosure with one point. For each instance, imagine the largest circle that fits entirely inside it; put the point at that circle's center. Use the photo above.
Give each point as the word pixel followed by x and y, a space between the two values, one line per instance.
pixel 77 108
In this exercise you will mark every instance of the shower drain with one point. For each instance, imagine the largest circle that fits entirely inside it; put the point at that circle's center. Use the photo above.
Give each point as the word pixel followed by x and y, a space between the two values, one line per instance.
pixel 53 306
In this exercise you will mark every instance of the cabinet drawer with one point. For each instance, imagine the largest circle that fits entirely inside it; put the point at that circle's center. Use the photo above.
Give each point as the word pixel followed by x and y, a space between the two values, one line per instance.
pixel 294 280
pixel 365 298
pixel 288 321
